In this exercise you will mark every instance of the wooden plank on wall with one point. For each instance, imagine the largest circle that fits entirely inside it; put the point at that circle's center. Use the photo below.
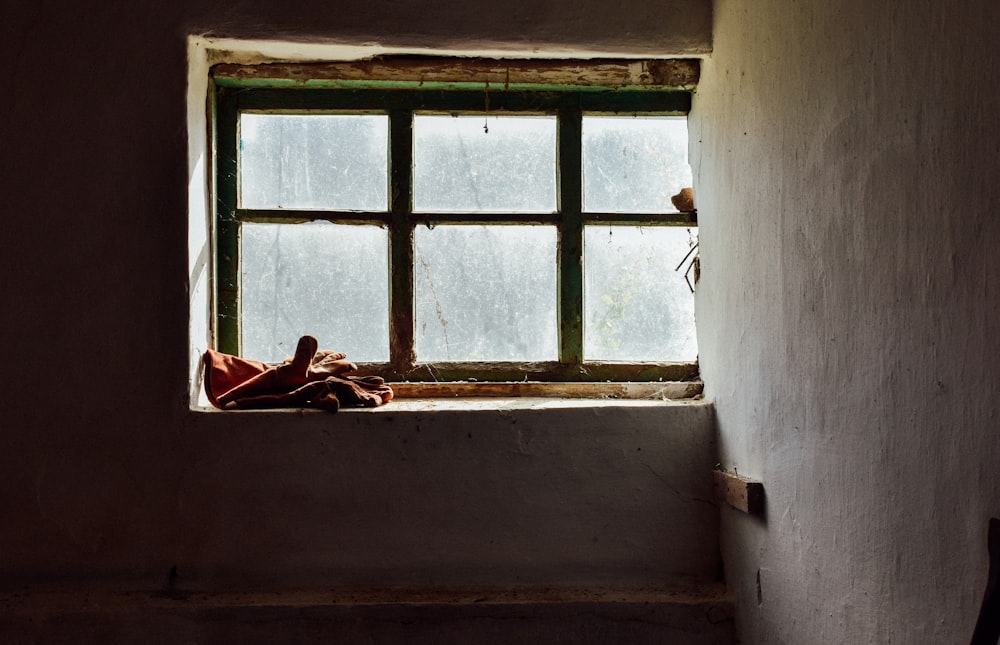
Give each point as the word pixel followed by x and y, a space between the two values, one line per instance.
pixel 741 493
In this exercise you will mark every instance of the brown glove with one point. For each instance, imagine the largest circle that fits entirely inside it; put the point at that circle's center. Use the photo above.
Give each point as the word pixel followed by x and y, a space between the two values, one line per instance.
pixel 308 378
pixel 316 394
pixel 360 391
pixel 329 394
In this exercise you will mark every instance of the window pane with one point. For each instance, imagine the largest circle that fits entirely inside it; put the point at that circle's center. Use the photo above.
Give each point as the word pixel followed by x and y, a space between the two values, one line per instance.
pixel 634 164
pixel 636 306
pixel 484 164
pixel 312 161
pixel 327 280
pixel 486 293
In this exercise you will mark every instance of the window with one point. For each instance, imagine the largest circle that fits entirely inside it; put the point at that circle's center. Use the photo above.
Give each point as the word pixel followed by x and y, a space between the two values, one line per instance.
pixel 451 229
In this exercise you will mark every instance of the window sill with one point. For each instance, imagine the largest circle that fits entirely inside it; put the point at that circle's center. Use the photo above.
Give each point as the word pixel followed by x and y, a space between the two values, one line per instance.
pixel 493 404
pixel 410 397
pixel 533 395
pixel 573 390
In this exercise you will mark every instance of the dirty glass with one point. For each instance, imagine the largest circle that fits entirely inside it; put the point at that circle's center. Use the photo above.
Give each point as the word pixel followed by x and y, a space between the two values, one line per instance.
pixel 637 307
pixel 633 164
pixel 484 163
pixel 314 161
pixel 322 279
pixel 485 293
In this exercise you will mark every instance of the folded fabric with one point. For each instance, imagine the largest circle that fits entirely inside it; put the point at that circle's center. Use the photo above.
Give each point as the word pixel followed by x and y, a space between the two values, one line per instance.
pixel 311 378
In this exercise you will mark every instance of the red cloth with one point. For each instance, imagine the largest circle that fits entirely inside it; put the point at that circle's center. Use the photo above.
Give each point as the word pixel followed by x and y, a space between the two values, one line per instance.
pixel 310 378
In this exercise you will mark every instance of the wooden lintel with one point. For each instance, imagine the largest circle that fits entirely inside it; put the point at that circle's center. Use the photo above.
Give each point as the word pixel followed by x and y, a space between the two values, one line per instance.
pixel 739 492
pixel 672 73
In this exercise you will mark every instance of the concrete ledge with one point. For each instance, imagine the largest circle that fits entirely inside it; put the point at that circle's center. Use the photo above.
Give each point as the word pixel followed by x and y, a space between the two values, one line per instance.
pixel 472 404
pixel 694 614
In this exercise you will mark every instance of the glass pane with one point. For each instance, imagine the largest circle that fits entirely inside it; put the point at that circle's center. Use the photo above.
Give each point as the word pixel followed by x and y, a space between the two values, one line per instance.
pixel 636 306
pixel 327 280
pixel 313 161
pixel 484 164
pixel 486 293
pixel 633 164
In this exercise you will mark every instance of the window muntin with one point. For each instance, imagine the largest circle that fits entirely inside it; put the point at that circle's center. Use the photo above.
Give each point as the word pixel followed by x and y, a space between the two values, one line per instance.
pixel 408 229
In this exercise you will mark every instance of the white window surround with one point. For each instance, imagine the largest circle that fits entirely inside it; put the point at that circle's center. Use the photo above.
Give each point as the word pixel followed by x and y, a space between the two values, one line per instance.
pixel 204 52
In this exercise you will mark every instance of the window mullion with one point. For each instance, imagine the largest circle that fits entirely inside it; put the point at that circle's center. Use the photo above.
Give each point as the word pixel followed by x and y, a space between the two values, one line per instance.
pixel 570 256
pixel 227 245
pixel 401 313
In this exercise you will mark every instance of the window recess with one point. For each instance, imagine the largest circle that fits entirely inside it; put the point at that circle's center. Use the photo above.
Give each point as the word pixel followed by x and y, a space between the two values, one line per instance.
pixel 457 220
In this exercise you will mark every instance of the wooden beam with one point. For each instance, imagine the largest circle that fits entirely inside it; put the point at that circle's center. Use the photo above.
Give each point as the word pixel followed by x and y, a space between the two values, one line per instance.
pixel 672 73
pixel 739 492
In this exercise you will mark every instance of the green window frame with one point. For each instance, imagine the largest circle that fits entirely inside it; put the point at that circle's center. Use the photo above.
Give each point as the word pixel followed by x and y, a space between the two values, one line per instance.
pixel 400 102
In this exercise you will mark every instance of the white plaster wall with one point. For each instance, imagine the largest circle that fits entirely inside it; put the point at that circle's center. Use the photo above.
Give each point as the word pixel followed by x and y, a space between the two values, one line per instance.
pixel 849 310
pixel 105 472
pixel 630 27
pixel 551 493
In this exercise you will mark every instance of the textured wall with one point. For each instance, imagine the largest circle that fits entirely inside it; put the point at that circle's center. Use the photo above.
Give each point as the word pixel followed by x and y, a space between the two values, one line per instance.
pixel 849 310
pixel 407 495
pixel 104 471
